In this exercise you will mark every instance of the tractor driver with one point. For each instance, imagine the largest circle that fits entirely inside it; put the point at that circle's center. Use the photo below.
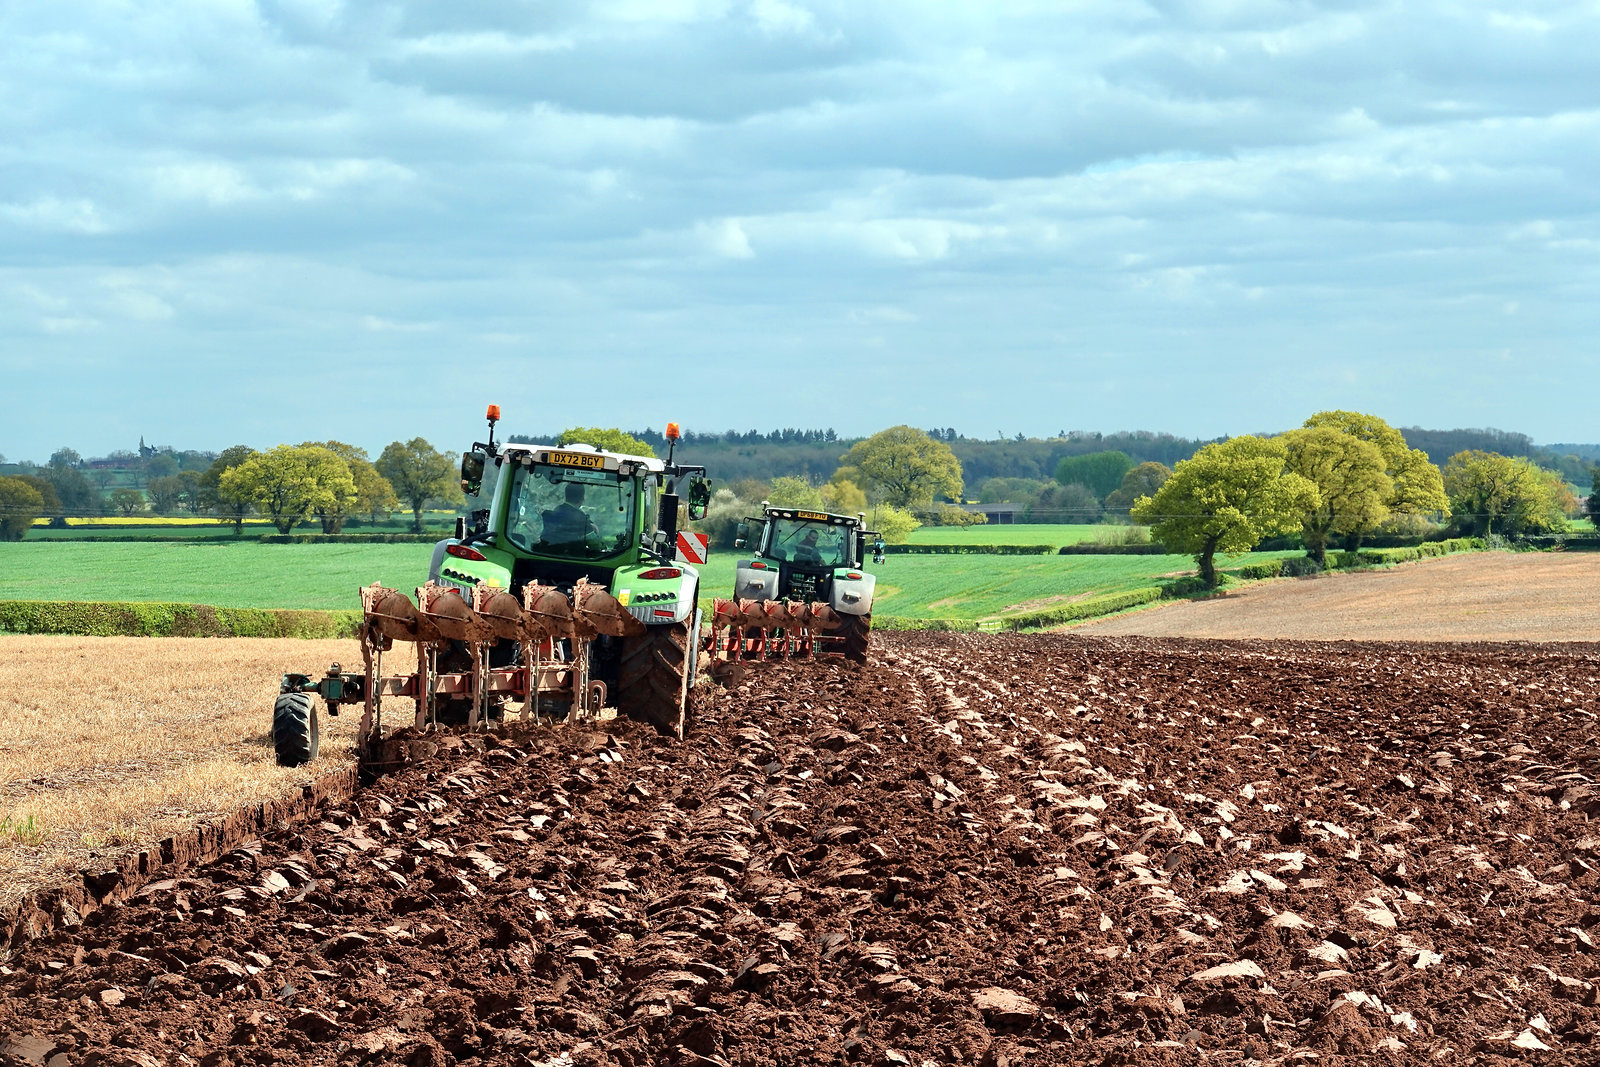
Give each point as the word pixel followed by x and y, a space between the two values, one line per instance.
pixel 806 551
pixel 566 523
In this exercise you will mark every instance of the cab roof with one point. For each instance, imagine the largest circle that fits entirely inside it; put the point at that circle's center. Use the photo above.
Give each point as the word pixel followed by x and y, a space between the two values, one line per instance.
pixel 610 460
pixel 804 515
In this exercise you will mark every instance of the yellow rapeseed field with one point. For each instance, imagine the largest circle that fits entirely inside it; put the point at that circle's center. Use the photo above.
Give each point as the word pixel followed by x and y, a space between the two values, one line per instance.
pixel 153 520
pixel 108 743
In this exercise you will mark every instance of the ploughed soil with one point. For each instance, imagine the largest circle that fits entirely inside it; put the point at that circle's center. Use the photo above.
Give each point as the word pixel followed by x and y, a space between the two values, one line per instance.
pixel 981 849
pixel 1478 596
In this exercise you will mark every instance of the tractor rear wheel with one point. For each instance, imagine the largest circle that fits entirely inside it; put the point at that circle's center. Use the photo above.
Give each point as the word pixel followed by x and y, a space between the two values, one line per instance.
pixel 652 680
pixel 295 733
pixel 854 632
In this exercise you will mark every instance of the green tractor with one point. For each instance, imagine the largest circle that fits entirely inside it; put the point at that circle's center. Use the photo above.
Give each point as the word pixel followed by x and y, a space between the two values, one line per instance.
pixel 564 589
pixel 803 591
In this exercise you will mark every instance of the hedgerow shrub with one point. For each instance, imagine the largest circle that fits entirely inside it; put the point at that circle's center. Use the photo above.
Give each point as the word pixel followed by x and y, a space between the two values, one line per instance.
pixel 969 550
pixel 128 619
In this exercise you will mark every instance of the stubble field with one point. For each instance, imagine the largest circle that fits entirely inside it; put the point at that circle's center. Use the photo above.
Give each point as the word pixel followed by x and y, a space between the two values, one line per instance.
pixel 1481 596
pixel 113 742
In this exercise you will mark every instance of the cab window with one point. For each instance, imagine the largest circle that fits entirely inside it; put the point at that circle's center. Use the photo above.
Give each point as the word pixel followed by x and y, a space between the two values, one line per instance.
pixel 808 543
pixel 562 511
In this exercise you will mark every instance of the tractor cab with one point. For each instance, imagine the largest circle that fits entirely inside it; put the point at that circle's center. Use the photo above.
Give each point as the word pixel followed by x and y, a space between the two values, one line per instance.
pixel 553 514
pixel 812 561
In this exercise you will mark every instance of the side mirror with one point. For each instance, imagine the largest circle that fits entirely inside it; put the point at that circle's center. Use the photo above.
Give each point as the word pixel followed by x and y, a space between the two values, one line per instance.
pixel 877 550
pixel 472 473
pixel 699 498
pixel 741 535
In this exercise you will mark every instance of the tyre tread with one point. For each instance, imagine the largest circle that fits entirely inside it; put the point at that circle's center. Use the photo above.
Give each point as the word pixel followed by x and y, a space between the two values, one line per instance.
pixel 296 737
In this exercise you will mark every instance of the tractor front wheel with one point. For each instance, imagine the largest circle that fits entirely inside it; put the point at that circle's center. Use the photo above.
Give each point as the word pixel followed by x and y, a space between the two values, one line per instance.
pixel 652 679
pixel 295 734
pixel 855 632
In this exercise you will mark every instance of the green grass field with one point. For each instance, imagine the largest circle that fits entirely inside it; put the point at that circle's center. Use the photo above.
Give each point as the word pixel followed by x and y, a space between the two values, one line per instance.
pixel 252 575
pixel 1007 534
pixel 242 574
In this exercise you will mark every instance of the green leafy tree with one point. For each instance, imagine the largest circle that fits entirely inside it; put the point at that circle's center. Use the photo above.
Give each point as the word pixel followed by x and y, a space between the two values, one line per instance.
pixel 1143 480
pixel 1100 472
pixel 51 508
pixel 1009 490
pixel 65 457
pixel 418 472
pixel 1592 503
pixel 941 514
pixel 288 483
pixel 611 440
pixel 893 524
pixel 1226 498
pixel 1352 488
pixel 905 467
pixel 78 498
pixel 1416 486
pixel 193 497
pixel 127 501
pixel 20 504
pixel 232 505
pixel 788 492
pixel 165 494
pixel 841 496
pixel 726 510
pixel 1508 495
pixel 1072 503
pixel 374 495
pixel 161 465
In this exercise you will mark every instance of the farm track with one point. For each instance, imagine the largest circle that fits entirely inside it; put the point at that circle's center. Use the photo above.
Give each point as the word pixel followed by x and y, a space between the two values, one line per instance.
pixel 990 850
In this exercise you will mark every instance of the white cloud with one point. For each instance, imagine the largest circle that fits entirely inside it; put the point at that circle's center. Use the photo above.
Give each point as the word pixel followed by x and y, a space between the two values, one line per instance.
pixel 492 44
pixel 216 183
pixel 379 324
pixel 53 213
pixel 726 238
pixel 778 17
pixel 57 324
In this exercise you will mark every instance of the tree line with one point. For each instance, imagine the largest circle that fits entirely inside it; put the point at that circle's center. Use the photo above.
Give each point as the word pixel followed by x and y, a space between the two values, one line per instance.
pixel 1339 477
pixel 903 475
pixel 330 481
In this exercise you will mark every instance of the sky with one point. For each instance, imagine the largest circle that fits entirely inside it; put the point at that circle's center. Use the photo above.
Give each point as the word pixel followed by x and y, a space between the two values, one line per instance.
pixel 258 221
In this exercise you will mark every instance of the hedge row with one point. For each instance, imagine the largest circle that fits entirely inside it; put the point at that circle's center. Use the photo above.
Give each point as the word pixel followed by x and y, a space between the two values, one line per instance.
pixel 353 539
pixel 1088 548
pixel 174 539
pixel 1085 609
pixel 1558 541
pixel 1300 566
pixel 95 619
pixel 895 622
pixel 265 539
pixel 969 550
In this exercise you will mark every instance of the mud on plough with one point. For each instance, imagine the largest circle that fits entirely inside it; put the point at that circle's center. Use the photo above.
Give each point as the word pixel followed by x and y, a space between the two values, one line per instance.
pixel 548 674
pixel 744 630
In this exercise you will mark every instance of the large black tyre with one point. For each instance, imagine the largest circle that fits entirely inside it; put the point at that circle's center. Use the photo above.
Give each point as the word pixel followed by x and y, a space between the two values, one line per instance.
pixel 651 681
pixel 295 734
pixel 855 633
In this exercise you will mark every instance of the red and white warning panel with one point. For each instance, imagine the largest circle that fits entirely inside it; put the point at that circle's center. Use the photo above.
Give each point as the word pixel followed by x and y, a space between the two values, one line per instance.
pixel 693 547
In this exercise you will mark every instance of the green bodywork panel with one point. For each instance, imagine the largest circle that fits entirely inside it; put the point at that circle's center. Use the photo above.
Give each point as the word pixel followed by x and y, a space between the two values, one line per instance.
pixel 495 570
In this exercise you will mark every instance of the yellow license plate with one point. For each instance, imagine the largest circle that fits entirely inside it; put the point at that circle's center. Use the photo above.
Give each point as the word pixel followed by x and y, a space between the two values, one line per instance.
pixel 576 459
pixel 811 515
